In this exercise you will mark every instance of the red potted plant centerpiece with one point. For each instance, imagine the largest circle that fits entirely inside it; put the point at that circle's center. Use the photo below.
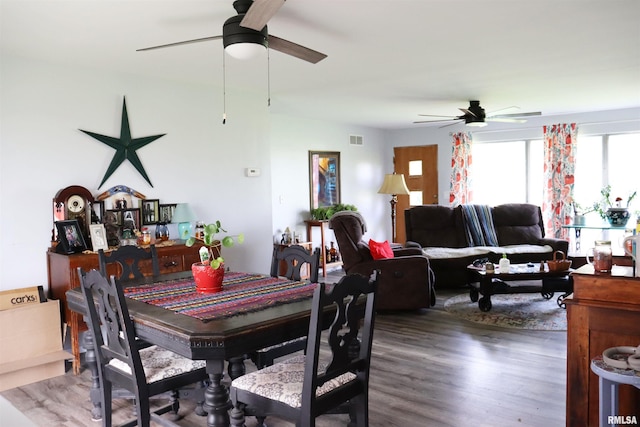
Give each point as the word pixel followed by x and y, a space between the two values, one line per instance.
pixel 209 272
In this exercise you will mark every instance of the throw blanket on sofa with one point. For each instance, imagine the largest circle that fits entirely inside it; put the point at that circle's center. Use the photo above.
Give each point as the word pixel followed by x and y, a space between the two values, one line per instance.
pixel 478 225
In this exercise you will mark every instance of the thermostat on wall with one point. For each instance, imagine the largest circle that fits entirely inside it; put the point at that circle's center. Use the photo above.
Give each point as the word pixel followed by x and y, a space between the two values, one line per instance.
pixel 252 172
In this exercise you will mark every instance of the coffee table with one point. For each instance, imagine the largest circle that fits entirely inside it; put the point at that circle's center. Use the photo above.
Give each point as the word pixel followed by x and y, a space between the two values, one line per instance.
pixel 487 284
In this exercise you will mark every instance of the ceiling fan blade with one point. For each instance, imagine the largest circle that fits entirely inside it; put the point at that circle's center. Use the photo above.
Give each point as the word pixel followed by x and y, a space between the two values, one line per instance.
pixel 533 113
pixel 437 121
pixel 260 12
pixel 468 112
pixel 204 39
pixel 451 124
pixel 505 120
pixel 294 49
pixel 497 112
pixel 435 115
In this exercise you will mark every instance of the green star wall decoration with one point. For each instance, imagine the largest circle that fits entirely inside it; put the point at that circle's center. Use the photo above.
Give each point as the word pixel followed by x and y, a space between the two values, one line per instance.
pixel 125 147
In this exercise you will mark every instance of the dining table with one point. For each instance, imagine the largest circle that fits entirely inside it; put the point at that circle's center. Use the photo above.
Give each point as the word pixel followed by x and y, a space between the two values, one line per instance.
pixel 221 328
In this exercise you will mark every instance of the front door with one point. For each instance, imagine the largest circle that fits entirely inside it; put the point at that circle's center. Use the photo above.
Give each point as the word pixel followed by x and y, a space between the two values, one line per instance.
pixel 419 164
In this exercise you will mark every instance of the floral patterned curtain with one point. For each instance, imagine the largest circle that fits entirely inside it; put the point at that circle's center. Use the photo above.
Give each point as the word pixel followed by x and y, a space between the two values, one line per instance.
pixel 460 187
pixel 559 166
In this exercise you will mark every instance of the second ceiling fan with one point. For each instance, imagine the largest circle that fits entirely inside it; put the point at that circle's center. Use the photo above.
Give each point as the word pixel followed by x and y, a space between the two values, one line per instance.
pixel 249 27
pixel 476 116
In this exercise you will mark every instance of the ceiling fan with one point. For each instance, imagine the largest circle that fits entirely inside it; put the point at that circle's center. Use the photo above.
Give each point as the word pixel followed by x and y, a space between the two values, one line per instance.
pixel 476 116
pixel 246 32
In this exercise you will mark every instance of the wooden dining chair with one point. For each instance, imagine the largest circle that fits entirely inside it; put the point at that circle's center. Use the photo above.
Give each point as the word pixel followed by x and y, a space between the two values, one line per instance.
pixel 122 364
pixel 293 258
pixel 303 387
pixel 129 258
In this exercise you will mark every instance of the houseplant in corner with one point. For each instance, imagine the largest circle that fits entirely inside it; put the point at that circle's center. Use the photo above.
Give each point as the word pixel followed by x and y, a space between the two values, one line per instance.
pixel 616 214
pixel 209 272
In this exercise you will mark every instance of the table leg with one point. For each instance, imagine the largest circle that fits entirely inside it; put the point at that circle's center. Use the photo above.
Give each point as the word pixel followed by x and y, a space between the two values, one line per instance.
pixel 486 283
pixel 95 392
pixel 216 396
pixel 236 367
pixel 608 400
pixel 74 320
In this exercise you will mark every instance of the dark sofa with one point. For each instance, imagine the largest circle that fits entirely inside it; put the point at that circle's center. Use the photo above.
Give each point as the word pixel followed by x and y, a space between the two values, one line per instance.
pixel 440 232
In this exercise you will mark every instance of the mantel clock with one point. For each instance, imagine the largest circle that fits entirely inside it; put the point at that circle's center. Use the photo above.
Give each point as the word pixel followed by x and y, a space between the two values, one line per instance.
pixel 74 202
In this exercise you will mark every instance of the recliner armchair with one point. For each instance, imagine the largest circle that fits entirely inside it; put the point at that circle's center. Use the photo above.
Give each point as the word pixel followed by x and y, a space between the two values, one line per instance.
pixel 406 281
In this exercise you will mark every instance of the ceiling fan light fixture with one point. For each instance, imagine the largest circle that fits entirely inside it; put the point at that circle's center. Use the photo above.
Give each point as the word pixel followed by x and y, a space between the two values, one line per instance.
pixel 244 50
pixel 477 124
pixel 241 42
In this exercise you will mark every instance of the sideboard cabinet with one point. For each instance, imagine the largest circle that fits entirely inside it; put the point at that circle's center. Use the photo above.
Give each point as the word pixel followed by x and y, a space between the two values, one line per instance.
pixel 603 312
pixel 62 272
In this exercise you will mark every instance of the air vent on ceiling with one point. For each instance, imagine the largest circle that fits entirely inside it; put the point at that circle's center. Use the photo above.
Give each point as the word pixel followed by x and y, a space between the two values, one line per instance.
pixel 356 140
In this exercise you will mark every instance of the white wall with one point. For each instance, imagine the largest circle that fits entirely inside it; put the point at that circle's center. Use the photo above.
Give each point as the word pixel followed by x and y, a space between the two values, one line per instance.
pixel 362 170
pixel 199 160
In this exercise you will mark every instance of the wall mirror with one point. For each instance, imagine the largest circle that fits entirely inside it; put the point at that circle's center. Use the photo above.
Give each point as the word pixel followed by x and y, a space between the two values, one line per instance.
pixel 324 178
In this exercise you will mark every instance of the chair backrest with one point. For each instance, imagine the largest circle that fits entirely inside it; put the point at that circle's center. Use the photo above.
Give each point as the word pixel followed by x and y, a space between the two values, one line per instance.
pixel 352 314
pixel 112 328
pixel 294 257
pixel 129 257
pixel 349 227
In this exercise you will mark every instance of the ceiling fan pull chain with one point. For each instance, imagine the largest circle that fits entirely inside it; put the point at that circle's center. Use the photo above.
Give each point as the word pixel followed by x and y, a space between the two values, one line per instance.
pixel 224 89
pixel 268 77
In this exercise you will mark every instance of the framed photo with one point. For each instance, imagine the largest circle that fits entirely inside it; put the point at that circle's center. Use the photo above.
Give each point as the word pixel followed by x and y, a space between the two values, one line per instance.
pixel 97 212
pixel 98 237
pixel 150 211
pixel 324 178
pixel 131 219
pixel 121 197
pixel 166 212
pixel 70 237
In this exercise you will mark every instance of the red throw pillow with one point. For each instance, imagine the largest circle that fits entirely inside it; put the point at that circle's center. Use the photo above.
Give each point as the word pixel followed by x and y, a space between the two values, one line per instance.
pixel 380 250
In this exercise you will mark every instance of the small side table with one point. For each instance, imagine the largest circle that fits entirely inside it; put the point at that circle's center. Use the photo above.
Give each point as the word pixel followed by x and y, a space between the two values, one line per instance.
pixel 323 256
pixel 609 378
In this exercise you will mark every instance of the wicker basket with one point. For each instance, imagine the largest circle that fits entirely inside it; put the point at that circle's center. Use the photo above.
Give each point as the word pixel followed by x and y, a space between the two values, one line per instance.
pixel 561 264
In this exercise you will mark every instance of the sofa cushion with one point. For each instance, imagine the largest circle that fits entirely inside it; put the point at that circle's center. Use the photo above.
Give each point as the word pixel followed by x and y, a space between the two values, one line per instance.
pixel 380 250
pixel 434 225
pixel 450 253
pixel 518 223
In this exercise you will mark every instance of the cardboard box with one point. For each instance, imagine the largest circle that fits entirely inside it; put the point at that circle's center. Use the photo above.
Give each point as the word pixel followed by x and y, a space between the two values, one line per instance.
pixel 20 297
pixel 31 338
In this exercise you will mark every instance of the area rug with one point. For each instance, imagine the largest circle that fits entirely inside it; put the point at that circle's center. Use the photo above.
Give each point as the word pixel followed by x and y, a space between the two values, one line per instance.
pixel 520 311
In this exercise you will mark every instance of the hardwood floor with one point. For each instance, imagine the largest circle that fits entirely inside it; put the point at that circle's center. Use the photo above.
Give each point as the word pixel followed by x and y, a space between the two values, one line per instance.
pixel 428 369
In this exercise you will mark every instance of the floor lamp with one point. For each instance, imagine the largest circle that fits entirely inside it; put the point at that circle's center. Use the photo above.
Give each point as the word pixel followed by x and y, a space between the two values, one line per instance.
pixel 393 184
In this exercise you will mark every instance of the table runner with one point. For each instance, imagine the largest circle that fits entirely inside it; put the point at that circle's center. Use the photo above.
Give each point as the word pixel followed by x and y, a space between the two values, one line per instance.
pixel 241 293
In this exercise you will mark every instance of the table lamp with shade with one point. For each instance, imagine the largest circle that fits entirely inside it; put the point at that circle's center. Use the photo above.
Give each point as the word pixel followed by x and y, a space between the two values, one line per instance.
pixel 394 184
pixel 183 215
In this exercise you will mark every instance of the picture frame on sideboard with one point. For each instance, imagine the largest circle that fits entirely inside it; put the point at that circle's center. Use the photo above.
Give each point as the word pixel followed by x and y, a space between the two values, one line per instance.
pixel 70 237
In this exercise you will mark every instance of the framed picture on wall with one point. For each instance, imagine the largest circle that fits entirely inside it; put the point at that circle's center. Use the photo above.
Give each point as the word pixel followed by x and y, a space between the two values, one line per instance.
pixel 150 211
pixel 324 178
pixel 166 212
pixel 97 212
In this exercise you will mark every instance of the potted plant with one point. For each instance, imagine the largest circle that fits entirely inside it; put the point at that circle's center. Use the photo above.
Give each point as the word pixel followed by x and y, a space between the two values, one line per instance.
pixel 615 213
pixel 209 272
pixel 326 212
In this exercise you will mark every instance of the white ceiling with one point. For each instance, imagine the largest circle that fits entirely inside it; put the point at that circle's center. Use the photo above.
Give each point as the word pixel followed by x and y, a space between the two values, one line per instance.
pixel 388 61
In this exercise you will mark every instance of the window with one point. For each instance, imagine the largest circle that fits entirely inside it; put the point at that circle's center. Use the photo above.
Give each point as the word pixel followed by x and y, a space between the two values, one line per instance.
pixel 513 171
pixel 500 173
